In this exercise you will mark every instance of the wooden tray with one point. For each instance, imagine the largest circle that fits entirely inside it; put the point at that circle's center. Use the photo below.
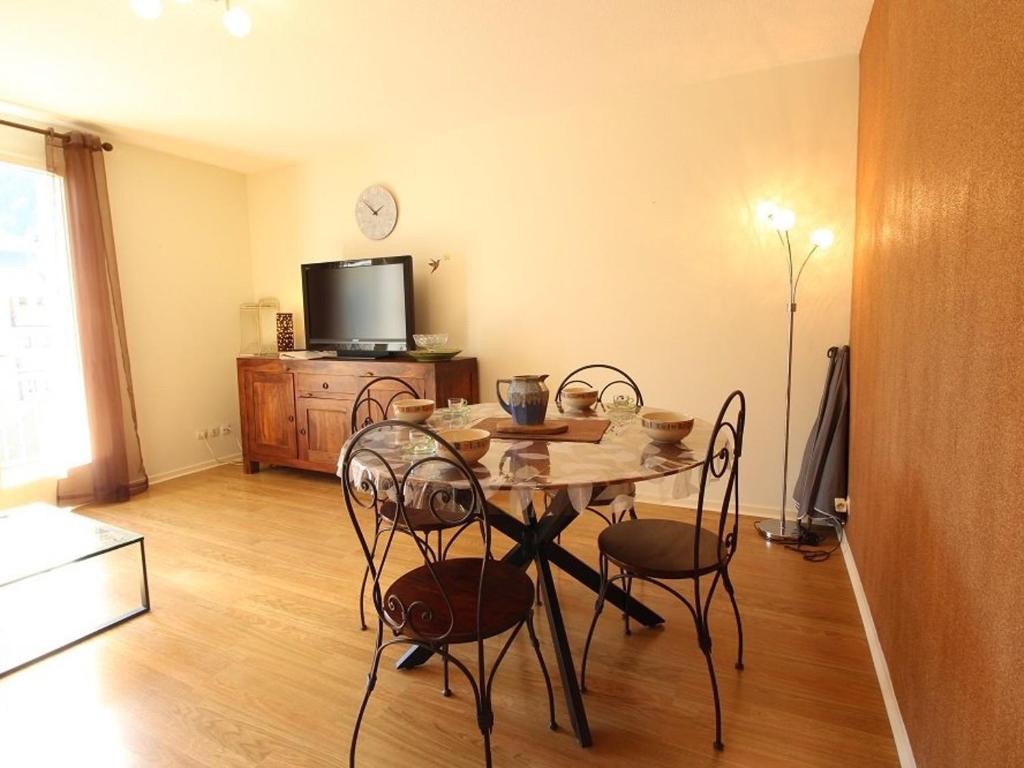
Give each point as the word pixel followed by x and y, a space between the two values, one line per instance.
pixel 554 430
pixel 549 427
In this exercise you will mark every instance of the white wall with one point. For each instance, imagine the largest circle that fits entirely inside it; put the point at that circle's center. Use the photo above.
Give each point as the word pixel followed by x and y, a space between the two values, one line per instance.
pixel 181 232
pixel 617 232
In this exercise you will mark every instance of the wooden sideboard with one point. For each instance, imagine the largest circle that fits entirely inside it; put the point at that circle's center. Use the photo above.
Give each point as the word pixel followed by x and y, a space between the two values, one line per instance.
pixel 298 413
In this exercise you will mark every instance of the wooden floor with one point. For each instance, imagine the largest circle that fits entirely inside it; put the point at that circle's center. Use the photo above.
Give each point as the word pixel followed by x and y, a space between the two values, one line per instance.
pixel 252 657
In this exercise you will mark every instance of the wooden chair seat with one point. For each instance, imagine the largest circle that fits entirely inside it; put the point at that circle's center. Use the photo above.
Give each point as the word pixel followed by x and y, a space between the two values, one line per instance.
pixel 507 600
pixel 420 519
pixel 661 548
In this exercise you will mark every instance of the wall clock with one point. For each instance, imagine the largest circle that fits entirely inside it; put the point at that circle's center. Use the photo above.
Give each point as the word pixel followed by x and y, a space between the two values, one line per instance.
pixel 376 212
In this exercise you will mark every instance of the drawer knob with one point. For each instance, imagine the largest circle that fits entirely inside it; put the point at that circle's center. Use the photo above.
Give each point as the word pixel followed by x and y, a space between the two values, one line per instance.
pixel 291 418
pixel 302 431
pixel 325 385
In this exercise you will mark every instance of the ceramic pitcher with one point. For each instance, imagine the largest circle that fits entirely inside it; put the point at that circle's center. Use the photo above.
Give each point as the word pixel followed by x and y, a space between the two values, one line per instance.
pixel 527 399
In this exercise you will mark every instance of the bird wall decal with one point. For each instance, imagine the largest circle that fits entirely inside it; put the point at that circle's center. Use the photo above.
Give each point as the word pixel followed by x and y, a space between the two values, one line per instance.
pixel 435 263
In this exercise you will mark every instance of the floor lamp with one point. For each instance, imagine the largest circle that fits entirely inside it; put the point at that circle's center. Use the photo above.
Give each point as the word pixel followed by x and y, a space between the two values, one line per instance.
pixel 782 220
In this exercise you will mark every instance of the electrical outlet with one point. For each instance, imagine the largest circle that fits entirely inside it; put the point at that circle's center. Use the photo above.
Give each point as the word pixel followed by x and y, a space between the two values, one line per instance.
pixel 225 429
pixel 200 434
pixel 214 432
pixel 843 506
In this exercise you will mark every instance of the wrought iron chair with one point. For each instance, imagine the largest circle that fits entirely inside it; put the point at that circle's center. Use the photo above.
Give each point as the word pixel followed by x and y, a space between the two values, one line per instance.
pixel 612 503
pixel 374 405
pixel 368 399
pixel 659 550
pixel 620 382
pixel 609 389
pixel 443 602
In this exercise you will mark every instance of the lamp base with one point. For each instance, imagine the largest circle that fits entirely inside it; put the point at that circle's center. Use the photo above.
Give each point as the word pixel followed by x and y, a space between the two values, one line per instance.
pixel 774 530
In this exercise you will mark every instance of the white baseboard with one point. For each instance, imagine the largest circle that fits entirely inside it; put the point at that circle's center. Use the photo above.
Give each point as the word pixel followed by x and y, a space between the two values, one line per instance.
pixel 892 707
pixel 163 477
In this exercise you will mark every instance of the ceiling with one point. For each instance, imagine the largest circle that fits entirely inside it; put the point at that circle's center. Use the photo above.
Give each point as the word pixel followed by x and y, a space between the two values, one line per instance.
pixel 318 71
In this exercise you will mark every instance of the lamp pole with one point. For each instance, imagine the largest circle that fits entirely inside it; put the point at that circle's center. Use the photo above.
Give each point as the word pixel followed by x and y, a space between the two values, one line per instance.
pixel 783 530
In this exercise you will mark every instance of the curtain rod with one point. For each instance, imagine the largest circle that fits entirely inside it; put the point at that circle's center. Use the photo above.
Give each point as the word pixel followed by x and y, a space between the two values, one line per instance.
pixel 106 145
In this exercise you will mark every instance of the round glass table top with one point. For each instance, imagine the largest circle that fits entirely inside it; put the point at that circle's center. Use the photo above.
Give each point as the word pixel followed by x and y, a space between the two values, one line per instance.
pixel 624 455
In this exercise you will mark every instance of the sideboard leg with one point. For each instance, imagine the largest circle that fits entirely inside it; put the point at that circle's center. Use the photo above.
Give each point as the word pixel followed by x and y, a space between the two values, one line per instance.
pixel 250 467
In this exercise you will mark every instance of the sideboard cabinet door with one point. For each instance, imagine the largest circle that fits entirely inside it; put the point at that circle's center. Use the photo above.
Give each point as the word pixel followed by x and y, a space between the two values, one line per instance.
pixel 272 430
pixel 324 426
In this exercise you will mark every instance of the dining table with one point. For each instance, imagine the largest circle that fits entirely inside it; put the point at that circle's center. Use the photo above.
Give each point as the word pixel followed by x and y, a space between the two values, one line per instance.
pixel 517 472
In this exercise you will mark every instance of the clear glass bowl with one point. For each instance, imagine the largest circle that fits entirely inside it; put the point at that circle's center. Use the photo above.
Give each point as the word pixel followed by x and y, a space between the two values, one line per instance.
pixel 430 341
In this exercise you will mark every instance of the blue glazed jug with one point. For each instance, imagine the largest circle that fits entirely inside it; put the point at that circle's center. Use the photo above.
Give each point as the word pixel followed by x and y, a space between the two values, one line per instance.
pixel 527 399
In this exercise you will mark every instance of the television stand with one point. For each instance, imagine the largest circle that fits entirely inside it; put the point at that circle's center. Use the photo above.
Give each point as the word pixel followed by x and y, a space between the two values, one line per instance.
pixel 298 413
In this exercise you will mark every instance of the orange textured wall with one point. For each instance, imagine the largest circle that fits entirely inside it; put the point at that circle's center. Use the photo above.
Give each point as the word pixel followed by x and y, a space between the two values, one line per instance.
pixel 937 451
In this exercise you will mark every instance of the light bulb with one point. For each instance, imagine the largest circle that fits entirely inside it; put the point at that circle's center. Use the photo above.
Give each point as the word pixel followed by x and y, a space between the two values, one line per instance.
pixel 765 210
pixel 822 238
pixel 237 22
pixel 147 9
pixel 783 219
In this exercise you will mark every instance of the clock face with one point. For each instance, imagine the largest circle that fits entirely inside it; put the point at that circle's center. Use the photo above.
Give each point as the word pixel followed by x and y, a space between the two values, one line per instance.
pixel 376 212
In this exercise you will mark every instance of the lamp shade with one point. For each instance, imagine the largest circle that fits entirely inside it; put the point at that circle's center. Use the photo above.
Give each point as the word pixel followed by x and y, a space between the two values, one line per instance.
pixel 783 219
pixel 822 238
pixel 237 22
pixel 147 9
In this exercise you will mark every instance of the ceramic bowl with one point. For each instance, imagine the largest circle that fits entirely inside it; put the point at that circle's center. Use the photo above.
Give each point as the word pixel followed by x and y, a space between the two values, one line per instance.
pixel 471 444
pixel 666 426
pixel 412 410
pixel 430 341
pixel 578 398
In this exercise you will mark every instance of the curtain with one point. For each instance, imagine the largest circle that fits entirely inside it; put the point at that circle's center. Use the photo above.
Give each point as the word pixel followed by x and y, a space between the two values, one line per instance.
pixel 116 470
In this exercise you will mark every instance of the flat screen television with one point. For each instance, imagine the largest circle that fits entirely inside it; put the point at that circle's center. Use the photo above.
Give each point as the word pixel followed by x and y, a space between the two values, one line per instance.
pixel 359 308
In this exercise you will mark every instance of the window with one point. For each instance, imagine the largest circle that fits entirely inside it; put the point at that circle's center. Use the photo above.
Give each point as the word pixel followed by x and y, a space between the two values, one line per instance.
pixel 43 428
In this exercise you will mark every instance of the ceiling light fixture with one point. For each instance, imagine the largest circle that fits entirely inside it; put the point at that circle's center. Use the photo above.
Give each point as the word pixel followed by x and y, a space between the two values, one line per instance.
pixel 148 9
pixel 236 20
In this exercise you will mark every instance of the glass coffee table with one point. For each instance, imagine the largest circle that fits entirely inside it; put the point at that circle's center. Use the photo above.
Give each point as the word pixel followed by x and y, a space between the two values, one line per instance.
pixel 64 577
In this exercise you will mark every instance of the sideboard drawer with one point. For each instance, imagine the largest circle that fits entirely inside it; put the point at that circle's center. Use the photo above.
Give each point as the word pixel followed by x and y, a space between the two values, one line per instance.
pixel 325 385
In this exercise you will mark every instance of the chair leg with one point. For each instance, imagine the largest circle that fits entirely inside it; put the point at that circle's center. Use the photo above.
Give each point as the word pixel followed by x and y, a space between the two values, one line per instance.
pixel 366 574
pixel 704 641
pixel 362 599
pixel 625 614
pixel 485 719
pixel 371 682
pixel 446 691
pixel 628 580
pixel 598 607
pixel 487 748
pixel 552 724
pixel 727 583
